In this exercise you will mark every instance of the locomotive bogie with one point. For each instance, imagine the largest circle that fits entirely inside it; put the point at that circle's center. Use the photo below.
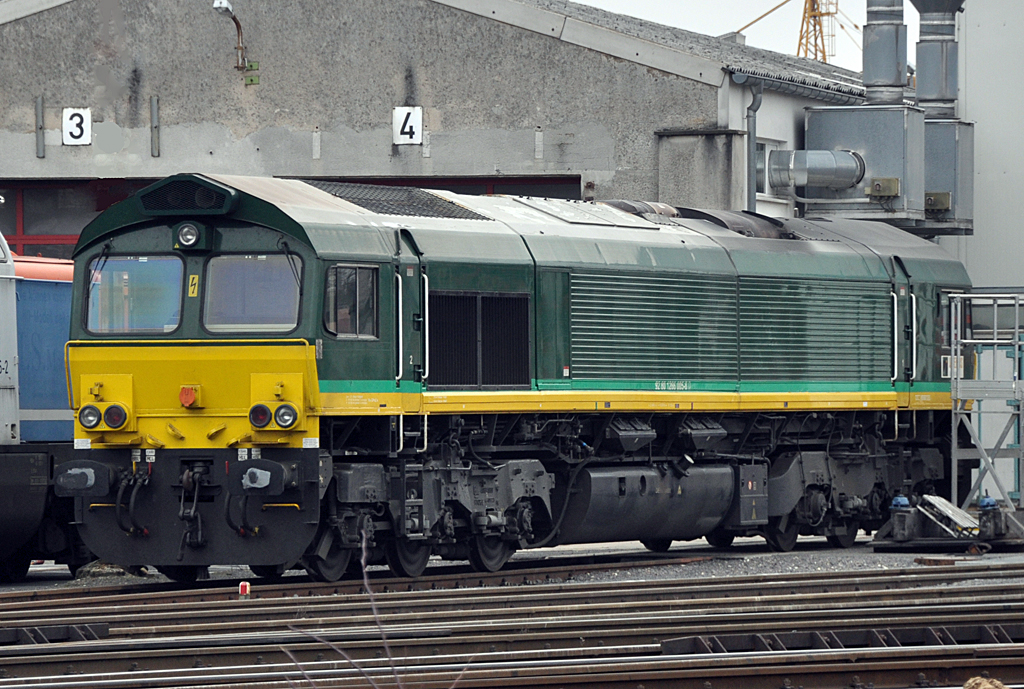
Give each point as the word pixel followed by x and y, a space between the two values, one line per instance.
pixel 331 368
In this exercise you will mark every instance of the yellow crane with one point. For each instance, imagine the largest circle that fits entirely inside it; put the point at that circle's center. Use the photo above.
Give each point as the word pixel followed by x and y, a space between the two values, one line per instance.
pixel 817 28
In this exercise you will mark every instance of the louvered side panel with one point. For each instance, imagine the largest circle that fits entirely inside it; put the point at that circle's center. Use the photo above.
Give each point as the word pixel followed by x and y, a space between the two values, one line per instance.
pixel 453 340
pixel 653 327
pixel 505 340
pixel 814 330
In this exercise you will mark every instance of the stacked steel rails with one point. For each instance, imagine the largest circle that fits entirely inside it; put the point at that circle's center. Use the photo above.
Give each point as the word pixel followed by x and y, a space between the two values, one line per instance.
pixel 897 628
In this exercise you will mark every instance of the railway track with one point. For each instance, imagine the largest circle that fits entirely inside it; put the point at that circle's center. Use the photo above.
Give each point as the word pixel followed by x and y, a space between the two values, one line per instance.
pixel 593 634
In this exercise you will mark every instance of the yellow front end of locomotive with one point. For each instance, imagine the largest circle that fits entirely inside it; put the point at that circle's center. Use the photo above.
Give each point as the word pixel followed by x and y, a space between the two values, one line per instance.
pixel 194 394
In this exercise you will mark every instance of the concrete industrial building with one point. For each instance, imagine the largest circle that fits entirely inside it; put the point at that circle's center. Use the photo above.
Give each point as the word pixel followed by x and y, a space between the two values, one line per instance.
pixel 990 36
pixel 535 97
pixel 540 97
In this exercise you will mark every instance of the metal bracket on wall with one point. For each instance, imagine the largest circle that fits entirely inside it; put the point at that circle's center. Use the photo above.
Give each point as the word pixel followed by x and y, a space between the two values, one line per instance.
pixel 40 133
pixel 154 126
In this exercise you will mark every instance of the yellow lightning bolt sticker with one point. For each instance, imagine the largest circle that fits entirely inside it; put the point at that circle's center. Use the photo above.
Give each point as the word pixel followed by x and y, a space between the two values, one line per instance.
pixel 193 285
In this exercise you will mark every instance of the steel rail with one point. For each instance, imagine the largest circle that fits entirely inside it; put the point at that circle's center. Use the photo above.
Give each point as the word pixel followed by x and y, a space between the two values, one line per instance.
pixel 138 621
pixel 882 667
pixel 437 577
pixel 692 589
pixel 614 621
pixel 514 636
pixel 608 594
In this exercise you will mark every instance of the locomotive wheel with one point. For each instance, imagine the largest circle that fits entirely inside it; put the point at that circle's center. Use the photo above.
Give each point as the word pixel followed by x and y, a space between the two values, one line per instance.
pixel 183 574
pixel 332 568
pixel 782 540
pixel 658 545
pixel 407 558
pixel 719 539
pixel 330 560
pixel 847 539
pixel 489 553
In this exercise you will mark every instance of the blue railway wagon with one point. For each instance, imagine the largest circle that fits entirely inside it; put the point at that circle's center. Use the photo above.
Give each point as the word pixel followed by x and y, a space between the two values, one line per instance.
pixel 35 421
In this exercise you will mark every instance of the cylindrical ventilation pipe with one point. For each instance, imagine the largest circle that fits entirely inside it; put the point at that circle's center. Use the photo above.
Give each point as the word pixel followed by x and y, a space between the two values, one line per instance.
pixel 821 169
pixel 937 57
pixel 885 53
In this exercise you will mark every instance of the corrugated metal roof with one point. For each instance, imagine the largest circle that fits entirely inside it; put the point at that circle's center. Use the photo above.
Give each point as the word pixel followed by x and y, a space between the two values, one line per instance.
pixel 779 69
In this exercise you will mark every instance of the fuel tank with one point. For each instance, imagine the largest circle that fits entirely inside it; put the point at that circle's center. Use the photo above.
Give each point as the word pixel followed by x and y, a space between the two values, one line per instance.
pixel 643 503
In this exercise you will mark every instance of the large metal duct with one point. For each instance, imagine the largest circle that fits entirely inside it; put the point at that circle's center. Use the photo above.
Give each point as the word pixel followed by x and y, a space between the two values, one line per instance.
pixel 937 57
pixel 885 52
pixel 822 169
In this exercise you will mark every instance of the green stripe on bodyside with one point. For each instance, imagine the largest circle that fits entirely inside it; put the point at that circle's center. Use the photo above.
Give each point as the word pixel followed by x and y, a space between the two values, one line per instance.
pixel 815 386
pixel 941 386
pixel 366 386
pixel 720 386
pixel 652 385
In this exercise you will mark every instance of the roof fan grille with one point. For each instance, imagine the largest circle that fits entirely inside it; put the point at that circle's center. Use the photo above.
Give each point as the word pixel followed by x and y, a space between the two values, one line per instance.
pixel 183 195
pixel 407 201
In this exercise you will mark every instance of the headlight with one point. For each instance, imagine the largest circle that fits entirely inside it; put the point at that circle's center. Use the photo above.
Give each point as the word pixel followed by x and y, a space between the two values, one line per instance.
pixel 188 235
pixel 115 416
pixel 89 416
pixel 285 415
pixel 259 415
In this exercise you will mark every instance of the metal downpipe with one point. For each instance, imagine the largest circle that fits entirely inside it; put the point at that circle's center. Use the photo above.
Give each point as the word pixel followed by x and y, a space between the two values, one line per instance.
pixel 756 87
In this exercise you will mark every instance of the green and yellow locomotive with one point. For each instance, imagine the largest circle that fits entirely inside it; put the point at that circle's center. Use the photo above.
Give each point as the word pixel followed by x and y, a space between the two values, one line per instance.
pixel 278 372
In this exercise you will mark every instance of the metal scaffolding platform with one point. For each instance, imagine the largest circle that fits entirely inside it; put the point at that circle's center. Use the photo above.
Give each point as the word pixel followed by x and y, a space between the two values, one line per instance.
pixel 986 334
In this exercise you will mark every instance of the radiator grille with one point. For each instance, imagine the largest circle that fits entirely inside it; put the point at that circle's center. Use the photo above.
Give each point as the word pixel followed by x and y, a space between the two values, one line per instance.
pixel 453 340
pixel 653 327
pixel 396 200
pixel 479 340
pixel 814 330
pixel 505 340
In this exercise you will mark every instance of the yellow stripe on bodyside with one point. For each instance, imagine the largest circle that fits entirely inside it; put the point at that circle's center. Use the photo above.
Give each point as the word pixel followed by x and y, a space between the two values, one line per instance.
pixel 369 403
pixel 931 401
pixel 491 402
pixel 807 401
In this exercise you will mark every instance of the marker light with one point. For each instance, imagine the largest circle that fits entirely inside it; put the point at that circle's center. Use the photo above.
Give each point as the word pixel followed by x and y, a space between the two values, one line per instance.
pixel 188 235
pixel 259 415
pixel 285 415
pixel 115 416
pixel 89 416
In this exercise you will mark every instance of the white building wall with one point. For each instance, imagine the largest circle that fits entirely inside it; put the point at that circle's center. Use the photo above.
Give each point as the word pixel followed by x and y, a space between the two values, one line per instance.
pixel 991 35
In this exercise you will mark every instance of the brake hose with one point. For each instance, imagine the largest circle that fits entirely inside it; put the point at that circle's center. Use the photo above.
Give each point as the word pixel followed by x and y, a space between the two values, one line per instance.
pixel 136 528
pixel 125 481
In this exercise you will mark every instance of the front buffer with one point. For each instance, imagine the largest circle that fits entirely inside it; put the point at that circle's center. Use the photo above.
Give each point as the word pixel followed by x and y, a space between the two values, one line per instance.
pixel 183 508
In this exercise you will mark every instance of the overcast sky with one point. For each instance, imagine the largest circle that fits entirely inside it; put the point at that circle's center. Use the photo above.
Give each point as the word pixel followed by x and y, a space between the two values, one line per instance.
pixel 779 31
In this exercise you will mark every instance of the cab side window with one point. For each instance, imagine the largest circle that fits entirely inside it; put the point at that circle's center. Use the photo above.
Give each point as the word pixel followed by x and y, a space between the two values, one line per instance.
pixel 350 302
